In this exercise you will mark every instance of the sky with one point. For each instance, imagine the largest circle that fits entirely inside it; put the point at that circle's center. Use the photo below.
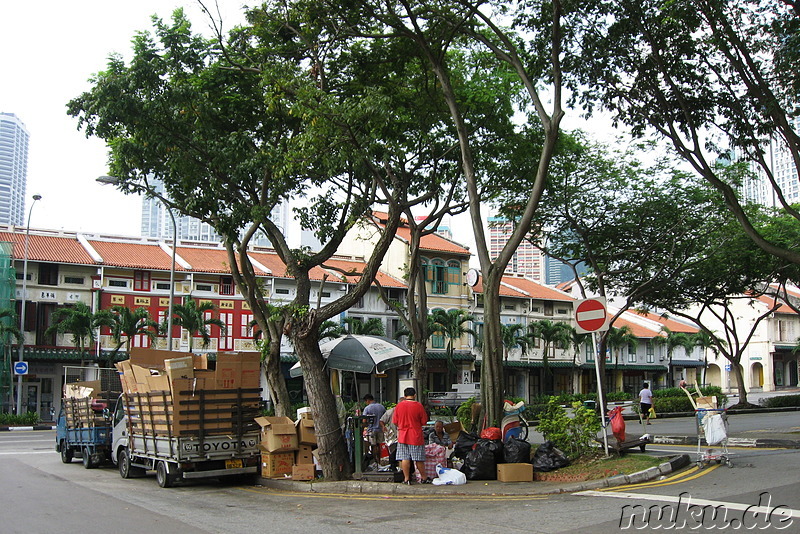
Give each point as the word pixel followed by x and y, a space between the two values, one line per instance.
pixel 49 49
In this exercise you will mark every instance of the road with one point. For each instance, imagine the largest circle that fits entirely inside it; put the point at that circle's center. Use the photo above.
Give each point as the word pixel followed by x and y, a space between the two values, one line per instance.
pixel 42 495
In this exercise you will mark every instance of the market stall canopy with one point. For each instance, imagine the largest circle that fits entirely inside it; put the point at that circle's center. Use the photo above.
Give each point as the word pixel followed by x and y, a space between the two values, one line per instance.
pixel 361 354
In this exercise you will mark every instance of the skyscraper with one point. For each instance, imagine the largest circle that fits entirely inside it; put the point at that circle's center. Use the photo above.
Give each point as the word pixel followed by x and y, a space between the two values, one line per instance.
pixel 779 160
pixel 527 259
pixel 156 221
pixel 13 169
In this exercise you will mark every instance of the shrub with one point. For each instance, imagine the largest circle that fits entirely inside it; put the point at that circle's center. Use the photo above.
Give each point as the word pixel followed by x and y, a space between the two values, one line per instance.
pixel 464 414
pixel 26 419
pixel 781 401
pixel 573 435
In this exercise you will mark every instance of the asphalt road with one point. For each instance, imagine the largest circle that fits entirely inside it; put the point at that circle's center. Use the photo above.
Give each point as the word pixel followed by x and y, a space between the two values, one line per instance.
pixel 42 495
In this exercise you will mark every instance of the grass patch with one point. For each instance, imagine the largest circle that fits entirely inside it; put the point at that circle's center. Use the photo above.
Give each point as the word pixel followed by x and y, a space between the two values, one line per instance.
pixel 596 466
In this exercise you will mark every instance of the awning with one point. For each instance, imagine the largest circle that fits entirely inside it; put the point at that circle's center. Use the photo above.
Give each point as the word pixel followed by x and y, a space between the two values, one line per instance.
pixel 70 355
pixel 457 356
pixel 687 363
pixel 628 367
pixel 538 364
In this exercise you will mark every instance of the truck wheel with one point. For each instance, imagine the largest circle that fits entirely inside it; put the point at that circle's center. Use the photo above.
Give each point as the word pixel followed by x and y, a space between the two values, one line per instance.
pixel 66 453
pixel 164 478
pixel 126 470
pixel 87 458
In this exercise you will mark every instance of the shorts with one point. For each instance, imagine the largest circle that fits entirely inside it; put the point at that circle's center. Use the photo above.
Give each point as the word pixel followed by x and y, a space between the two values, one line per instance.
pixel 645 408
pixel 410 452
pixel 375 437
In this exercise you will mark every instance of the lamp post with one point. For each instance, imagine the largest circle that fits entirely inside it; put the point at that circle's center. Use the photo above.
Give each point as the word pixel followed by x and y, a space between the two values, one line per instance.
pixel 22 306
pixel 115 181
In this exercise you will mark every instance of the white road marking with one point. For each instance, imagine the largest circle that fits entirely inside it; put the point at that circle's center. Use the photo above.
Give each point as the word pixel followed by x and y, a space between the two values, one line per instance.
pixel 766 510
pixel 22 453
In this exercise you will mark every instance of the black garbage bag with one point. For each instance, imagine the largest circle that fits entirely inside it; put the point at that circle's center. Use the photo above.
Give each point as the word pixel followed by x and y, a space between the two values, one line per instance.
pixel 481 462
pixel 548 458
pixel 494 445
pixel 464 444
pixel 517 451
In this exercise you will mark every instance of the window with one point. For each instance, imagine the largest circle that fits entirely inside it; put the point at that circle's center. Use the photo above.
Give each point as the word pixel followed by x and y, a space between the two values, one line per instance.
pixel 441 275
pixel 19 276
pixel 631 353
pixel 509 307
pixel 48 274
pixel 589 352
pixel 437 341
pixel 535 309
pixel 548 308
pixel 562 311
pixel 479 301
pixel 246 329
pixel 141 281
pixel 650 352
pixel 326 294
pixel 226 285
pixel 226 336
pixel 204 287
pixel 281 291
pixel 162 285
pixel 74 280
pixel 118 283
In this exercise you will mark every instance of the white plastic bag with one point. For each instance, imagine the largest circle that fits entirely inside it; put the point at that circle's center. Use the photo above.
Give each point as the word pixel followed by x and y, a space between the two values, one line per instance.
pixel 714 429
pixel 449 477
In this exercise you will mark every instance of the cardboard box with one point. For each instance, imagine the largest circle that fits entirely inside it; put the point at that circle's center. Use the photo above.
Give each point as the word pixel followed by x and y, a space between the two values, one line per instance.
pixel 515 472
pixel 454 430
pixel 276 464
pixel 158 383
pixel 304 412
pixel 82 390
pixel 153 358
pixel 277 434
pixel 303 472
pixel 180 367
pixel 238 370
pixel 200 361
pixel 305 432
pixel 304 455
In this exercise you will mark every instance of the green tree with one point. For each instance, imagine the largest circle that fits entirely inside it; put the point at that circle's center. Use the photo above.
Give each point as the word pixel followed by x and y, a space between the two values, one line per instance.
pixel 617 338
pixel 577 340
pixel 78 320
pixel 513 335
pixel 345 124
pixel 330 330
pixel 706 341
pixel 554 334
pixel 672 341
pixel 371 327
pixel 452 324
pixel 712 77
pixel 9 332
pixel 196 319
pixel 125 324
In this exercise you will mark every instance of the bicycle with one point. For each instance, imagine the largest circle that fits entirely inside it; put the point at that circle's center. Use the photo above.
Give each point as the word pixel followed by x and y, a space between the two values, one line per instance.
pixel 514 422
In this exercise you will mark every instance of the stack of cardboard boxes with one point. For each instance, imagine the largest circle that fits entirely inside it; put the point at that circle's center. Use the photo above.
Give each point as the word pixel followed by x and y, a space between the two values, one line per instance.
pixel 286 447
pixel 169 383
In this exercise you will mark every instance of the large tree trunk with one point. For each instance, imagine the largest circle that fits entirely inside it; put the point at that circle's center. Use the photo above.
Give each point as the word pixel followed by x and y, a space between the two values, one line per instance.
pixel 740 380
pixel 419 369
pixel 276 382
pixel 492 362
pixel 331 447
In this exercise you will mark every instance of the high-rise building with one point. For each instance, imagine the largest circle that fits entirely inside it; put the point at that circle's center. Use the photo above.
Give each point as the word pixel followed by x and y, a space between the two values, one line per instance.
pixel 13 169
pixel 779 160
pixel 156 221
pixel 527 259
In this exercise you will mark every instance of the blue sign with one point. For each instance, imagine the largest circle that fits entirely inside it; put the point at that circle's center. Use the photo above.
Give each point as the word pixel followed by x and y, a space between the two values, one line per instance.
pixel 21 368
pixel 728 367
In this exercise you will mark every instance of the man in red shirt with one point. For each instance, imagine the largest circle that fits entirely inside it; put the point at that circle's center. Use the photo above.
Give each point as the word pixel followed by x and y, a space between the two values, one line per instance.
pixel 409 417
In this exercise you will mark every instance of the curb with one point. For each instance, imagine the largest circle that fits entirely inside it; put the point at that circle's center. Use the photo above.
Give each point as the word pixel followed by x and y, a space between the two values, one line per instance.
pixel 759 443
pixel 33 427
pixel 674 463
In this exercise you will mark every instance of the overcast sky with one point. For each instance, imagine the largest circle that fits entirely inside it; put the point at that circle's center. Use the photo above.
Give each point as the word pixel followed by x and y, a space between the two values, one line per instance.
pixel 48 51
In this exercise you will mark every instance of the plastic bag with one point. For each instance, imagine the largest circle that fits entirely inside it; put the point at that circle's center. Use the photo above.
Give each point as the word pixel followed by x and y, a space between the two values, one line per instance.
pixel 464 444
pixel 714 429
pixel 548 458
pixel 494 445
pixel 435 455
pixel 652 413
pixel 517 451
pixel 449 477
pixel 481 463
pixel 491 433
pixel 617 423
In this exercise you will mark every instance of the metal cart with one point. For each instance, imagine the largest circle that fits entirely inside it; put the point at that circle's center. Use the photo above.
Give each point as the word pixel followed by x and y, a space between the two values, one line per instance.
pixel 712 428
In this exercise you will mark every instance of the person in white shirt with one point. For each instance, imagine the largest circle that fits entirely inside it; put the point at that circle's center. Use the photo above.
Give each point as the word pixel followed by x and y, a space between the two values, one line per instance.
pixel 645 402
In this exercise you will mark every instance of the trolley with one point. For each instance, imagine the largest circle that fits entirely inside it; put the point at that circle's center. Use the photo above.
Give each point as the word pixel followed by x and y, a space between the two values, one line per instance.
pixel 712 428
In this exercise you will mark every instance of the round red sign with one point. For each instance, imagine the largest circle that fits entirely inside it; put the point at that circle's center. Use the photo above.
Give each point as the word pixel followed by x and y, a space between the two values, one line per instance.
pixel 591 315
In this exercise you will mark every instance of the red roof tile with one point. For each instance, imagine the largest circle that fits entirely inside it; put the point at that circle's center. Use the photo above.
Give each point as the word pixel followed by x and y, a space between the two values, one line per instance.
pixel 133 255
pixel 526 288
pixel 430 242
pixel 49 248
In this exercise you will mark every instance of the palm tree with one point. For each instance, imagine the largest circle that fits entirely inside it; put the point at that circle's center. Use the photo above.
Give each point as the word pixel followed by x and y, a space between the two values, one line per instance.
pixel 672 341
pixel 126 324
pixel 616 338
pixel 192 317
pixel 78 320
pixel 706 341
pixel 330 330
pixel 370 327
pixel 511 335
pixel 576 340
pixel 450 324
pixel 552 333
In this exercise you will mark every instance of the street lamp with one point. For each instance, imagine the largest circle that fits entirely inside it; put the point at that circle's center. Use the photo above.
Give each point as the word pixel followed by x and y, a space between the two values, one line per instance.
pixel 22 307
pixel 115 181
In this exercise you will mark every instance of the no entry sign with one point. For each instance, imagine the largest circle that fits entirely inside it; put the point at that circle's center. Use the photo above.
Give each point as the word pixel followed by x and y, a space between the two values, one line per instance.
pixel 590 315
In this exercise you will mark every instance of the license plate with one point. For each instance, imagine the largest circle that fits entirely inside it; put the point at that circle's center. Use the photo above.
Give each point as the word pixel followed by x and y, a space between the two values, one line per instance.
pixel 233 464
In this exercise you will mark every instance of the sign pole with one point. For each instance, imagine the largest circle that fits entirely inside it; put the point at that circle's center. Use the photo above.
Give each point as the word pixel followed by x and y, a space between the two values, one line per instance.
pixel 600 398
